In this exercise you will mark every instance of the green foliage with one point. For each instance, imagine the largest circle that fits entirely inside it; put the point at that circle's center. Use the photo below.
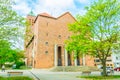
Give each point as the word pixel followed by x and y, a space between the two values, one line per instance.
pixel 7 54
pixel 11 30
pixel 11 24
pixel 16 78
pixel 97 32
pixel 28 32
pixel 19 64
pixel 111 77
pixel 17 55
pixel 4 51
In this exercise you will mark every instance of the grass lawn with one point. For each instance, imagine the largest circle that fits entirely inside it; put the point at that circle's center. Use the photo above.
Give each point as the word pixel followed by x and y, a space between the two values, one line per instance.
pixel 111 77
pixel 16 78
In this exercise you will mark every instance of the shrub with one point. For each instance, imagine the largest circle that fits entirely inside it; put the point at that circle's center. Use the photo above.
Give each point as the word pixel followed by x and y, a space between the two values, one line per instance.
pixel 19 64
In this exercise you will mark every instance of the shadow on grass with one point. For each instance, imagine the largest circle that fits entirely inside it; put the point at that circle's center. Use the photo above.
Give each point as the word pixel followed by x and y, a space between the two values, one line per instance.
pixel 110 77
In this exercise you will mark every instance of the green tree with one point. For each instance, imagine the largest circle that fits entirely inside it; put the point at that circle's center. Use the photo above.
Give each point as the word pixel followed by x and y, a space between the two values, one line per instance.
pixel 7 54
pixel 4 50
pixel 97 32
pixel 17 57
pixel 11 24
pixel 11 32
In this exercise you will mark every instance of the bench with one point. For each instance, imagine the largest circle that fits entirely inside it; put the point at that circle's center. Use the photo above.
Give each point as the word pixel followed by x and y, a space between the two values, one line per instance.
pixel 86 72
pixel 14 73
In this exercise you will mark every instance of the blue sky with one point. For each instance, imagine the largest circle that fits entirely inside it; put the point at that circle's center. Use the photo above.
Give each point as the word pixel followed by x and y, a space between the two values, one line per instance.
pixel 52 7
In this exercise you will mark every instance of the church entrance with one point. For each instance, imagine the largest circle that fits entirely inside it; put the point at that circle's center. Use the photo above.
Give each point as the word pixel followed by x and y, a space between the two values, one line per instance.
pixel 78 61
pixel 69 59
pixel 59 51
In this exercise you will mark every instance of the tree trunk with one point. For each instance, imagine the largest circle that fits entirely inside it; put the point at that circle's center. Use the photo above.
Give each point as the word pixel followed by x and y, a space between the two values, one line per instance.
pixel 104 68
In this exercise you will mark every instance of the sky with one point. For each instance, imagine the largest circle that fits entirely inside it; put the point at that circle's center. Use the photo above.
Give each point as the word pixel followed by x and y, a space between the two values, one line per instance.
pixel 53 7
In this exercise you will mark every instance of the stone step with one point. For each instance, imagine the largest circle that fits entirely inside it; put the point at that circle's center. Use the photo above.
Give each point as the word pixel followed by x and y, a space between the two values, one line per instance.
pixel 74 68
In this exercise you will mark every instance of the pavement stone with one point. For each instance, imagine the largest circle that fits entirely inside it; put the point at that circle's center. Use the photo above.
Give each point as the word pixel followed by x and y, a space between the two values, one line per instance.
pixel 43 74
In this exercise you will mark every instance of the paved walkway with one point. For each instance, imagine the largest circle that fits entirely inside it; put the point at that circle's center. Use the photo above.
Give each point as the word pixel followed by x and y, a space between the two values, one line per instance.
pixel 39 74
pixel 46 75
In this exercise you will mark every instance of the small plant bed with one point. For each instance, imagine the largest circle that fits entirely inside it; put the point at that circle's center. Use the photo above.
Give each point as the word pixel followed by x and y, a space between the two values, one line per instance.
pixel 111 77
pixel 16 78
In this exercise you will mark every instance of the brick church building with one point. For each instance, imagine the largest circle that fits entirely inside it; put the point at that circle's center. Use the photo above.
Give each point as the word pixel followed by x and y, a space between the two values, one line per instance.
pixel 45 45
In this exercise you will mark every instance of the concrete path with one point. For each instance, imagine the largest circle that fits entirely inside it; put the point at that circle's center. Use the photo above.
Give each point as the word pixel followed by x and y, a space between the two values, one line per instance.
pixel 46 75
pixel 39 74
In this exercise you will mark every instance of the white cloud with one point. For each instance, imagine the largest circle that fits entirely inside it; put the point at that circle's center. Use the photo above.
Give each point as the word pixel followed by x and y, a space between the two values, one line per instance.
pixel 60 3
pixel 53 7
pixel 21 7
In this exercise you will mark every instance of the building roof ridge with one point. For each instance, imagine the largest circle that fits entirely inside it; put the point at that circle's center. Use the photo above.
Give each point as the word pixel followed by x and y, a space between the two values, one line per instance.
pixel 65 14
pixel 45 14
pixel 49 16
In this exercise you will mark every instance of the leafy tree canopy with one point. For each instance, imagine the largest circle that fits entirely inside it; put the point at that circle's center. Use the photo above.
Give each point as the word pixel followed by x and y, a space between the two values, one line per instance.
pixel 97 32
pixel 9 55
pixel 11 32
pixel 11 24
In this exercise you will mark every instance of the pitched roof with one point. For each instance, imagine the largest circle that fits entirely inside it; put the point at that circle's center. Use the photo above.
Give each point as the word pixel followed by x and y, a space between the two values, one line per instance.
pixel 65 14
pixel 45 14
pixel 49 16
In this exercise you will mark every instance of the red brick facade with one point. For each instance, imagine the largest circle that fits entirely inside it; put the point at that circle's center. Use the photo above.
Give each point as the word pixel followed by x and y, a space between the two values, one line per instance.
pixel 46 47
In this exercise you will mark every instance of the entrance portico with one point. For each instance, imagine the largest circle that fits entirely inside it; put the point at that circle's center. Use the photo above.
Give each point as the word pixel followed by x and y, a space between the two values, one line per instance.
pixel 62 57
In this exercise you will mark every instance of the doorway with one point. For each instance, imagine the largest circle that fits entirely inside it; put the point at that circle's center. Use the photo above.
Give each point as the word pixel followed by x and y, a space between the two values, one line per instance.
pixel 59 56
pixel 78 61
pixel 69 59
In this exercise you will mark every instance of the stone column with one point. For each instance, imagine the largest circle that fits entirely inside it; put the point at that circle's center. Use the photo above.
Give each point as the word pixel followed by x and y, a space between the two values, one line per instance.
pixel 66 58
pixel 83 60
pixel 75 58
pixel 55 54
pixel 75 62
pixel 33 55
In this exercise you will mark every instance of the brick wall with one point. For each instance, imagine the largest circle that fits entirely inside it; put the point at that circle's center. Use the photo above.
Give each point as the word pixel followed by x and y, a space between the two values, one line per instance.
pixel 48 32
